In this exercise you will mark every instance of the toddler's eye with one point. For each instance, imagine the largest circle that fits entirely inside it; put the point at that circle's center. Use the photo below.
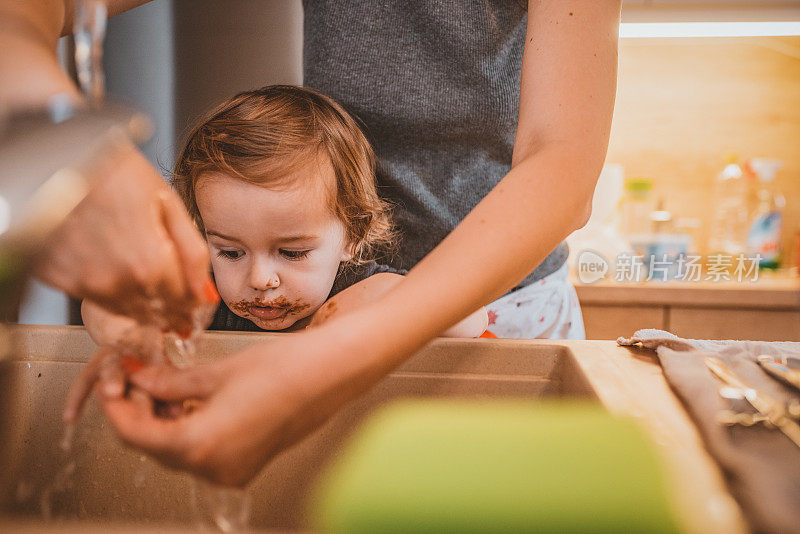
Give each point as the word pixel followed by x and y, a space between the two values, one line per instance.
pixel 231 254
pixel 294 254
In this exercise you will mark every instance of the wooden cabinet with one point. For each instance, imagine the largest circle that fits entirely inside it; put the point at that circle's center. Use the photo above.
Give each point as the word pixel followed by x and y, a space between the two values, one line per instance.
pixel 723 323
pixel 767 310
pixel 611 322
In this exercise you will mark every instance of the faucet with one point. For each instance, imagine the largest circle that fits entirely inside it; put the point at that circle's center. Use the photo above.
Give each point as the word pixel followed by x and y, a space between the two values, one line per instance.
pixel 47 156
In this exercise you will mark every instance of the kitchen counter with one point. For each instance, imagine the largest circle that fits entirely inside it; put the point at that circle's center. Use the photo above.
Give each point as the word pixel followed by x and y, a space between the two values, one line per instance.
pixel 770 291
pixel 630 382
pixel 626 381
pixel 767 309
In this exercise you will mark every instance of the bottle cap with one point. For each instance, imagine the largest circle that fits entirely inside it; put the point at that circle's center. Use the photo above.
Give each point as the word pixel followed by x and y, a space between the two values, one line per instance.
pixel 638 185
pixel 765 168
pixel 731 157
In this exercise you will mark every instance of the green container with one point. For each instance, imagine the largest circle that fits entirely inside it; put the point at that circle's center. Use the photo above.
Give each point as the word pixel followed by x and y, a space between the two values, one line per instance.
pixel 495 466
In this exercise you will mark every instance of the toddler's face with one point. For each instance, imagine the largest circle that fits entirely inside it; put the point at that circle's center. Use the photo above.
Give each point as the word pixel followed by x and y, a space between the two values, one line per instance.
pixel 275 253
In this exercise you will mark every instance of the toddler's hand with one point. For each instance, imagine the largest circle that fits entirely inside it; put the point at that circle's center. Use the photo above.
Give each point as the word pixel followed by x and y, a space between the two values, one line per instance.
pixel 104 327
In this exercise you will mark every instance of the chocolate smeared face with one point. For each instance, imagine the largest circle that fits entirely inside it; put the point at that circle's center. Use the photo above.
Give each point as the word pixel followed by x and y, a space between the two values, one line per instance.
pixel 269 310
pixel 275 252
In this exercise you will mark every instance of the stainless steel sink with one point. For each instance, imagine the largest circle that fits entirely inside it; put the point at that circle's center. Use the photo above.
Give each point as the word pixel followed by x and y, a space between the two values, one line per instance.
pixel 111 483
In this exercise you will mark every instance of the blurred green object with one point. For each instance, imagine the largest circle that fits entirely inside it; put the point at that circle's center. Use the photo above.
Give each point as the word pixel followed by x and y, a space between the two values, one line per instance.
pixel 638 185
pixel 495 466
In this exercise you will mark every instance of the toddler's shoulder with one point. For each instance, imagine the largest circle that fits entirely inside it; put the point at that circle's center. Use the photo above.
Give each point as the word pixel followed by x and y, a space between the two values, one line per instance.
pixel 351 275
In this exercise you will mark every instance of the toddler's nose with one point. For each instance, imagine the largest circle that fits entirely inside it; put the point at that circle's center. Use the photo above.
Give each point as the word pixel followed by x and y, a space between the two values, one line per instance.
pixel 263 278
pixel 263 283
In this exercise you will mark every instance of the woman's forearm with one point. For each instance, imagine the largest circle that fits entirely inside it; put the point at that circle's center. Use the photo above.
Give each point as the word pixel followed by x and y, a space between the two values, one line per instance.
pixel 29 31
pixel 539 203
pixel 29 69
pixel 504 238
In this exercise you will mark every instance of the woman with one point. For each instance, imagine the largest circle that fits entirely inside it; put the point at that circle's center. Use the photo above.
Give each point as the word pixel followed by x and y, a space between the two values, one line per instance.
pixel 437 85
pixel 268 396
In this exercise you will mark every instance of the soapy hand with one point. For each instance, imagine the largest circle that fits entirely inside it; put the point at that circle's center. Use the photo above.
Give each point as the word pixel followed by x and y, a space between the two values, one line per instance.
pixel 130 246
pixel 186 442
pixel 125 346
pixel 109 368
pixel 248 408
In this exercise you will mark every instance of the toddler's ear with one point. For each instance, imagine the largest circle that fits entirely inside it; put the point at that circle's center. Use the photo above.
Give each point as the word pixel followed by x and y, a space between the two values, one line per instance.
pixel 349 252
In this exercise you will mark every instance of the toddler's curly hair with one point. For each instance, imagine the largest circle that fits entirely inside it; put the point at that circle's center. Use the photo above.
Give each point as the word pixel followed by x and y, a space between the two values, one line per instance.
pixel 259 136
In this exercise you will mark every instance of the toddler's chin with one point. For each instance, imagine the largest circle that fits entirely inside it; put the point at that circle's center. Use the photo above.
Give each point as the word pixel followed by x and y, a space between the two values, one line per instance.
pixel 273 324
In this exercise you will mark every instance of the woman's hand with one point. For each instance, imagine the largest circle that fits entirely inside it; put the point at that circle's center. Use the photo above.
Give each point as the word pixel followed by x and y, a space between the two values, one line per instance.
pixel 251 406
pixel 130 247
pixel 244 411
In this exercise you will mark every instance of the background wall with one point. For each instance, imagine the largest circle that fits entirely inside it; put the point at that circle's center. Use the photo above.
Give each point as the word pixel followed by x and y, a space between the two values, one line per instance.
pixel 682 104
pixel 222 48
pixel 138 60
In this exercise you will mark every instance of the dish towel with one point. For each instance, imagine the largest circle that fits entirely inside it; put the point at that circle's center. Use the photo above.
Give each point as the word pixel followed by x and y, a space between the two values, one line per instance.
pixel 761 465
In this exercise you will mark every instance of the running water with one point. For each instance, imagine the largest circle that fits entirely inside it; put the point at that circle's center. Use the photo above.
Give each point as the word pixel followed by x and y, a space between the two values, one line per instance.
pixel 216 508
pixel 62 482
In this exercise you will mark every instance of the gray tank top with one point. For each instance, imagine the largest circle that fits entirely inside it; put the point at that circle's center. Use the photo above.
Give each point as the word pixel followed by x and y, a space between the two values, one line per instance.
pixel 436 85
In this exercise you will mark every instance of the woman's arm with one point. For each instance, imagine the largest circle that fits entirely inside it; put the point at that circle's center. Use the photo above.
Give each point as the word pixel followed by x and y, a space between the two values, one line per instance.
pixel 271 395
pixel 376 286
pixel 131 236
pixel 29 31
pixel 569 74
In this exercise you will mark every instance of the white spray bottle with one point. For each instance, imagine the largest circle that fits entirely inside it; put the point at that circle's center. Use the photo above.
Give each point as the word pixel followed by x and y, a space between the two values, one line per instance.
pixel 764 235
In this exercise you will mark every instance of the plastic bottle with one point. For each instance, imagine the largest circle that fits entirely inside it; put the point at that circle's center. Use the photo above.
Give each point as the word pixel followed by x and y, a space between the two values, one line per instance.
pixel 636 206
pixel 764 236
pixel 661 219
pixel 691 228
pixel 729 219
pixel 665 246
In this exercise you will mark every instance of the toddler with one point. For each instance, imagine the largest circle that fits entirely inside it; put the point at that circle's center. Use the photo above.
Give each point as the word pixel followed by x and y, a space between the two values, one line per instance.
pixel 280 181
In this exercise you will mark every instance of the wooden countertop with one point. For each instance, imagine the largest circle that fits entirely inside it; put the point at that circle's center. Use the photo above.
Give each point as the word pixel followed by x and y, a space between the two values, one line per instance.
pixel 629 381
pixel 770 291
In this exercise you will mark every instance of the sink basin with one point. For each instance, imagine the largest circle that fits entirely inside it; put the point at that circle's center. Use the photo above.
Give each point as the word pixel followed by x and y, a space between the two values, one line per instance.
pixel 112 483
